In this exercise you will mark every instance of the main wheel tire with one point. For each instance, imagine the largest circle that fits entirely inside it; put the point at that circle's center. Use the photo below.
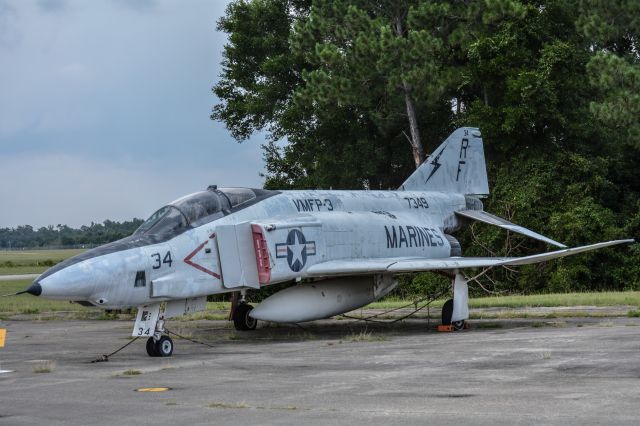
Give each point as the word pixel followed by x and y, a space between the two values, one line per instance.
pixel 447 312
pixel 457 325
pixel 241 319
pixel 164 346
pixel 151 347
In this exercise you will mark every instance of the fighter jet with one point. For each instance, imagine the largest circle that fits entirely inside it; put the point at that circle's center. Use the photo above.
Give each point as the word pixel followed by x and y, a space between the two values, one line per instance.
pixel 342 249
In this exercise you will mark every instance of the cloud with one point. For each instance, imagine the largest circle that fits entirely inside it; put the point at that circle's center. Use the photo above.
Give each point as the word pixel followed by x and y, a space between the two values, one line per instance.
pixel 74 190
pixel 104 110
pixel 52 6
pixel 9 34
pixel 139 5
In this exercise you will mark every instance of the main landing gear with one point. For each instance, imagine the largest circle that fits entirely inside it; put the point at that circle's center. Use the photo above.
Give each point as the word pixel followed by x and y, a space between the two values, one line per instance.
pixel 447 312
pixel 241 319
pixel 239 313
pixel 455 311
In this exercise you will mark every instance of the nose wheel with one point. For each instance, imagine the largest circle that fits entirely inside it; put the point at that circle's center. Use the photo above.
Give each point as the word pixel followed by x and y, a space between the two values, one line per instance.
pixel 163 347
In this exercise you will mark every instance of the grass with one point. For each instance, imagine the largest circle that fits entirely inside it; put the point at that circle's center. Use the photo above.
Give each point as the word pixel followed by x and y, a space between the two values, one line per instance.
pixel 206 315
pixel 243 405
pixel 364 336
pixel 608 298
pixel 26 262
pixel 227 405
pixel 28 304
pixel 28 257
pixel 32 261
pixel 44 367
pixel 20 270
pixel 131 372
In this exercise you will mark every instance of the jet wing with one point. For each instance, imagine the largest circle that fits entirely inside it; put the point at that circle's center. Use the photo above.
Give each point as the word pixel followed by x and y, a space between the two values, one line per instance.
pixel 406 264
pixel 482 216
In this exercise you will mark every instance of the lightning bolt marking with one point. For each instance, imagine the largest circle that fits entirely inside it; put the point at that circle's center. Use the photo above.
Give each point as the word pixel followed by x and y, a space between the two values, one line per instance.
pixel 435 163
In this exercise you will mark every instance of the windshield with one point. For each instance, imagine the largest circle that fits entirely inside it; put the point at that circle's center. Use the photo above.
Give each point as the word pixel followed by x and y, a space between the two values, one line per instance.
pixel 166 221
pixel 194 210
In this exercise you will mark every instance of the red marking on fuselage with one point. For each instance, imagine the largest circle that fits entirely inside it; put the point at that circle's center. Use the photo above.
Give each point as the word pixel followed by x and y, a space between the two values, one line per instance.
pixel 188 261
pixel 262 255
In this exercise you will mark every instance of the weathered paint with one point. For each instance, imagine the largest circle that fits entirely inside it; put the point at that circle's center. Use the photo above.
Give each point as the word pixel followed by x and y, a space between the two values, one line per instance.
pixel 293 235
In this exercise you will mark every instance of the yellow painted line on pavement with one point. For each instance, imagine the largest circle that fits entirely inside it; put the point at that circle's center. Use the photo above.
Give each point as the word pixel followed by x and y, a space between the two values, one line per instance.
pixel 152 389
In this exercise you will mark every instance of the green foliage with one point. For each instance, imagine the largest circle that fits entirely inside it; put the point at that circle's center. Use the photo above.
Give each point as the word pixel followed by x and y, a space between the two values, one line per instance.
pixel 618 81
pixel 413 287
pixel 554 85
pixel 65 236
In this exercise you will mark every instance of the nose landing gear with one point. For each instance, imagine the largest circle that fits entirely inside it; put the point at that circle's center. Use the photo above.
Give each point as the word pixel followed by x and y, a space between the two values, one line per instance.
pixel 150 322
pixel 161 347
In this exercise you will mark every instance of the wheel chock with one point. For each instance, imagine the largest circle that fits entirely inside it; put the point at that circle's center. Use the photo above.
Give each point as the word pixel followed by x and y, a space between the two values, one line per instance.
pixel 449 328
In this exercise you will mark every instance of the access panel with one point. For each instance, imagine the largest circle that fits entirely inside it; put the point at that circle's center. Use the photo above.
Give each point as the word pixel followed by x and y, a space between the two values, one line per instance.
pixel 237 256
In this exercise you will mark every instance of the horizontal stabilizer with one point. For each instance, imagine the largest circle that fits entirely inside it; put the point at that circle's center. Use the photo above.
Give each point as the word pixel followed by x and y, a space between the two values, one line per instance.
pixel 406 264
pixel 482 216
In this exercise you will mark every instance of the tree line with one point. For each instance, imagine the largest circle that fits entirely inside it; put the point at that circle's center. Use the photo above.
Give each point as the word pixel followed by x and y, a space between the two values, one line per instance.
pixel 63 236
pixel 355 93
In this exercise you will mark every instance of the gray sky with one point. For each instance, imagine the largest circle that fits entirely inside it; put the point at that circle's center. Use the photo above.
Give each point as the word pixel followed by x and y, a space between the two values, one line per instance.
pixel 104 109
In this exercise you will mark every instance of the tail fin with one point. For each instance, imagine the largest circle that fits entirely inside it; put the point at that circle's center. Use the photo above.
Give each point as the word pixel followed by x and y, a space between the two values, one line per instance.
pixel 456 166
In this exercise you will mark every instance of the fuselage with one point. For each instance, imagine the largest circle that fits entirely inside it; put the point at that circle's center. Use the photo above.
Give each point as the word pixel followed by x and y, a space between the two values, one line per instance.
pixel 190 260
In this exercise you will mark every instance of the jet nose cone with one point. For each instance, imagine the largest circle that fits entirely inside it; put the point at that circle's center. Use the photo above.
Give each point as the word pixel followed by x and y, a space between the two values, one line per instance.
pixel 35 289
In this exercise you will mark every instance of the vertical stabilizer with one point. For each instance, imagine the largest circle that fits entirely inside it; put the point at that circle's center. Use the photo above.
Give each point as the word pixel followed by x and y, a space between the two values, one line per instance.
pixel 457 165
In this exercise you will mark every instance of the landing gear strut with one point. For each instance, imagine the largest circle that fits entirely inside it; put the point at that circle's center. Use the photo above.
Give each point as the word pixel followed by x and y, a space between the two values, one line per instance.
pixel 455 311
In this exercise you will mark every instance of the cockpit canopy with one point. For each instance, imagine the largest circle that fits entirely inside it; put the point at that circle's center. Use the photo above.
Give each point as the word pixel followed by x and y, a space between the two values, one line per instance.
pixel 194 210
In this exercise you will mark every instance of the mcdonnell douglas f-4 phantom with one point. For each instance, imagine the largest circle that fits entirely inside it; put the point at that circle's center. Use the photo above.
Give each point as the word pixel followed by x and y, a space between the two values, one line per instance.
pixel 344 247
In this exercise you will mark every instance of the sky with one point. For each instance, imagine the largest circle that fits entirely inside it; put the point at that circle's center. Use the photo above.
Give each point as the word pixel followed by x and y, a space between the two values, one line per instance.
pixel 104 109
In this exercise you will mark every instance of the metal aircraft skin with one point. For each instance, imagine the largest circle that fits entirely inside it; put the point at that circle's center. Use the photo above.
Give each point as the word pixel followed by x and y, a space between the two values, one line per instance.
pixel 344 247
